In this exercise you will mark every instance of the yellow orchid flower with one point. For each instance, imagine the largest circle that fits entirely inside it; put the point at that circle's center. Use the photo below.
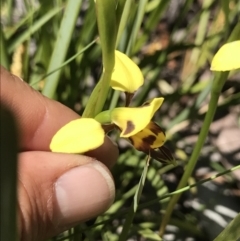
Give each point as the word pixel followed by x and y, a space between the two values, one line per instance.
pixel 150 140
pixel 126 76
pixel 132 120
pixel 227 58
pixel 151 137
pixel 145 135
pixel 78 136
pixel 85 134
pixel 136 125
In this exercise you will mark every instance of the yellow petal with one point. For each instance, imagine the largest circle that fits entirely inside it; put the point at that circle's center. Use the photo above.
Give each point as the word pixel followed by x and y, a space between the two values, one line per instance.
pixel 227 58
pixel 151 137
pixel 78 136
pixel 132 120
pixel 126 76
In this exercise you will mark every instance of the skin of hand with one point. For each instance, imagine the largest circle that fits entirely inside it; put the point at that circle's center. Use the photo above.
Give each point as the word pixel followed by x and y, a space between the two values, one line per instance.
pixel 55 191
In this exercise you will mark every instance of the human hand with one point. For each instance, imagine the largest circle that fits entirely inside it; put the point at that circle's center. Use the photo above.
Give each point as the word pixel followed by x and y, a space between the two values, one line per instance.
pixel 55 191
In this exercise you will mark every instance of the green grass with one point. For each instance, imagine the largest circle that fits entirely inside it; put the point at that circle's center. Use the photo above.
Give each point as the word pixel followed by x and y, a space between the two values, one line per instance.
pixel 62 58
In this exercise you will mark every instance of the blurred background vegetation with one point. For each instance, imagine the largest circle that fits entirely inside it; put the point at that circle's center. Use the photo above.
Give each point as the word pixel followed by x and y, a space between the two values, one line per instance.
pixel 173 43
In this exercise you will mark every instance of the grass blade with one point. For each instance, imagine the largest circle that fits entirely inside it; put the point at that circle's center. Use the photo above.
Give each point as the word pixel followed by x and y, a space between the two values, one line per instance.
pixel 36 26
pixel 61 46
pixel 134 206
pixel 231 232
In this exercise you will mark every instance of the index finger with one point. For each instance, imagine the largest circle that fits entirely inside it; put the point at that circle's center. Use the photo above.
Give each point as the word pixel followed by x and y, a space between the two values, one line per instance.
pixel 39 118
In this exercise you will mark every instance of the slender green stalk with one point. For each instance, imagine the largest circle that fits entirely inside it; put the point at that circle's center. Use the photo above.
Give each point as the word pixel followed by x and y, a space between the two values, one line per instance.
pixel 200 37
pixel 27 44
pixel 186 188
pixel 127 223
pixel 66 62
pixel 106 19
pixel 114 99
pixel 137 25
pixel 218 83
pixel 35 27
pixel 132 210
pixel 124 18
pixel 119 11
pixel 61 46
pixel 231 232
pixel 10 11
pixel 133 37
pixel 4 57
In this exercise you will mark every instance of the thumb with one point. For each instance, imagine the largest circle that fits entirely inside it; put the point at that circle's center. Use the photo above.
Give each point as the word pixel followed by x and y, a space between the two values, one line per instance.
pixel 57 191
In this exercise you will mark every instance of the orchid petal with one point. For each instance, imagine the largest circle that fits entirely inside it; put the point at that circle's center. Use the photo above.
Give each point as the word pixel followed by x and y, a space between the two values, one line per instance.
pixel 151 137
pixel 126 76
pixel 227 58
pixel 132 120
pixel 78 136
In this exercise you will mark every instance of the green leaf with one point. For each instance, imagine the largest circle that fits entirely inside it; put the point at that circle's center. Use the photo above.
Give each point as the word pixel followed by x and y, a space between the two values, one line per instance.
pixel 231 232
pixel 4 58
pixel 36 26
pixel 134 206
pixel 106 20
pixel 149 235
pixel 141 183
pixel 61 46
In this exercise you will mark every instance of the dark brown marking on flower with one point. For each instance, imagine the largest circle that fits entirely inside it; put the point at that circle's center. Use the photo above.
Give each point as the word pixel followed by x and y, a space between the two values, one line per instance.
pixel 108 127
pixel 129 97
pixel 130 127
pixel 131 140
pixel 155 128
pixel 149 139
pixel 145 104
pixel 139 145
pixel 143 147
pixel 162 154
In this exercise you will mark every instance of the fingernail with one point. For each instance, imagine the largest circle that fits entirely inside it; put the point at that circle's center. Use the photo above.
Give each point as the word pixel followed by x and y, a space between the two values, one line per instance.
pixel 83 192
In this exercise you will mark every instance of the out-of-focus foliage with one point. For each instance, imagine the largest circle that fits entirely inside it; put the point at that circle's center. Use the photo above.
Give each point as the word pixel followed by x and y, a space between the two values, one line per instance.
pixel 173 43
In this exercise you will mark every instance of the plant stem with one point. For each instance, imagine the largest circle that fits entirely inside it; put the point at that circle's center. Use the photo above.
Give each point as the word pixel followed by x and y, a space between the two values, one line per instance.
pixel 218 83
pixel 106 19
pixel 134 206
pixel 104 117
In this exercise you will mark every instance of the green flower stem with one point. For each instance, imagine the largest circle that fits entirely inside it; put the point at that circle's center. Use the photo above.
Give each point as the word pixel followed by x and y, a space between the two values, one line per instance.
pixel 123 12
pixel 132 210
pixel 136 26
pixel 98 97
pixel 106 19
pixel 218 83
pixel 104 117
